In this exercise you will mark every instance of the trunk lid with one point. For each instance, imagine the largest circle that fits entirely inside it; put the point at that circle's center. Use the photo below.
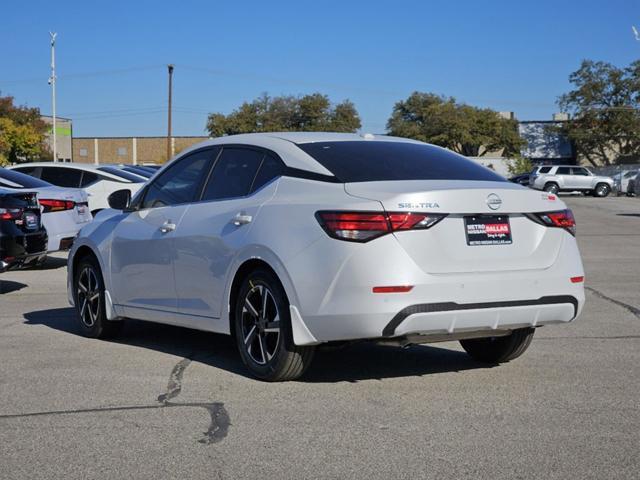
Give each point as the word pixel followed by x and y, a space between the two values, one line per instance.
pixel 444 249
pixel 22 209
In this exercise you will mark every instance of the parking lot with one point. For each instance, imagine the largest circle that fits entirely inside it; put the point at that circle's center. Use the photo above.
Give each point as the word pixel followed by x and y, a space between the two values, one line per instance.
pixel 169 402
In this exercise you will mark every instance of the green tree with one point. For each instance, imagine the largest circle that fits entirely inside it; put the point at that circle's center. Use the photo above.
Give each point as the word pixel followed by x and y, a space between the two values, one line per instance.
pixel 22 133
pixel 605 111
pixel 462 128
pixel 286 113
pixel 519 165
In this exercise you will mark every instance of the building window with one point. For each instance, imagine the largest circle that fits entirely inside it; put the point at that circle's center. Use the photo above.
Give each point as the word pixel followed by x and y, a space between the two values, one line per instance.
pixel 84 152
pixel 122 151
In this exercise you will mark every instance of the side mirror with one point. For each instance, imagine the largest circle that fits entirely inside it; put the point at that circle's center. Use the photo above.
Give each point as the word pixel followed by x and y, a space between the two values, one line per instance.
pixel 120 199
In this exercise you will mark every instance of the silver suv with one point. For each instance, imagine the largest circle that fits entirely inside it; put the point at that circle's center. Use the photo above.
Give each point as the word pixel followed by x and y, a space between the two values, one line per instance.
pixel 569 178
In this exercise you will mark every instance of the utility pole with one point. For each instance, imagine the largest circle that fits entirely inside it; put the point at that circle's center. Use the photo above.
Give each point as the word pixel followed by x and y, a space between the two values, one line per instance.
pixel 52 82
pixel 170 67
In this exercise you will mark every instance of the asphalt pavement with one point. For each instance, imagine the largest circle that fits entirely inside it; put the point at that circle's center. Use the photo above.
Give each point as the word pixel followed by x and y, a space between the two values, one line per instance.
pixel 167 402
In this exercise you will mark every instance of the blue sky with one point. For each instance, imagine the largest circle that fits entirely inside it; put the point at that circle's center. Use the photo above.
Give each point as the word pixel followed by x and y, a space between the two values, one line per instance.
pixel 111 56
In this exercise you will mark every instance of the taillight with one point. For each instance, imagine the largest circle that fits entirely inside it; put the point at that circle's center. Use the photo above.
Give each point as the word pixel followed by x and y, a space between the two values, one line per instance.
pixel 10 213
pixel 365 226
pixel 50 205
pixel 561 219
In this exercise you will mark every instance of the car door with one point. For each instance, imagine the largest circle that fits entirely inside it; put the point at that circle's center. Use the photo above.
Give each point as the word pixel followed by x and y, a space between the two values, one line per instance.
pixel 564 178
pixel 214 229
pixel 581 177
pixel 142 250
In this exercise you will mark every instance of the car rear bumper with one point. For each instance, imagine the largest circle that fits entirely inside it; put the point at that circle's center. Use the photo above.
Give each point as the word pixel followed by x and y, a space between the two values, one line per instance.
pixel 344 307
pixel 19 250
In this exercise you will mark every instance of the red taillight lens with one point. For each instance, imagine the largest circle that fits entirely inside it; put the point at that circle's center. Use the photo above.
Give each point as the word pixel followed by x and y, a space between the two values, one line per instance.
pixel 50 205
pixel 10 213
pixel 561 219
pixel 365 226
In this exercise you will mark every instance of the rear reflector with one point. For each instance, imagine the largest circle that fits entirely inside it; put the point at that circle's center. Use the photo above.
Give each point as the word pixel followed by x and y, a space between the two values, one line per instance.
pixel 365 226
pixel 51 205
pixel 397 289
pixel 577 279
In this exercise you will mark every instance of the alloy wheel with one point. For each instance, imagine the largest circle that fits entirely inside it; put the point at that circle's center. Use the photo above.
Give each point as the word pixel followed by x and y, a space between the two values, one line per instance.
pixel 88 293
pixel 602 190
pixel 260 324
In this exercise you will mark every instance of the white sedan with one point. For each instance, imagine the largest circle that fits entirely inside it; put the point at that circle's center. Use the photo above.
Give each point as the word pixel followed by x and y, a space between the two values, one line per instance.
pixel 99 181
pixel 64 210
pixel 290 240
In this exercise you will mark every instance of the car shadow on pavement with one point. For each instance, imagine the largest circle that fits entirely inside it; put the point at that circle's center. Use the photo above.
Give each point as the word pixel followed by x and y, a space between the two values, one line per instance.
pixel 351 363
pixel 8 286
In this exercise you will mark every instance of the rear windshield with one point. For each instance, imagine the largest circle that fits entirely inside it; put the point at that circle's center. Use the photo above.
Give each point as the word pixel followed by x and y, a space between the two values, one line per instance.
pixel 122 174
pixel 139 171
pixel 13 179
pixel 363 161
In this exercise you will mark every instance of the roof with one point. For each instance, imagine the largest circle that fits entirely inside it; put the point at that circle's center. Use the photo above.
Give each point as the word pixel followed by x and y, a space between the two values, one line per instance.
pixel 285 145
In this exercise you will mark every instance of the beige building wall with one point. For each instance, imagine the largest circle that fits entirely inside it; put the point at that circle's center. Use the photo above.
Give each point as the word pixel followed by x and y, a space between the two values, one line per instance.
pixel 128 149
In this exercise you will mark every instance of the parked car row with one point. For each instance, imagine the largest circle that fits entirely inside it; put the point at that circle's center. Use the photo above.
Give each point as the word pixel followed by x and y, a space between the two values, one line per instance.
pixel 66 195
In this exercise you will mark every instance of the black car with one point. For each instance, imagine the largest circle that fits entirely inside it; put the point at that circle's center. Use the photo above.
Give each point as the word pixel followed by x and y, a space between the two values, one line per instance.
pixel 522 179
pixel 23 238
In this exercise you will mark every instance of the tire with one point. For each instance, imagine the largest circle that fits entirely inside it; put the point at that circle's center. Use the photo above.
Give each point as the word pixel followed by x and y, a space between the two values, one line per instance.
pixel 601 190
pixel 552 188
pixel 265 344
pixel 499 349
pixel 88 292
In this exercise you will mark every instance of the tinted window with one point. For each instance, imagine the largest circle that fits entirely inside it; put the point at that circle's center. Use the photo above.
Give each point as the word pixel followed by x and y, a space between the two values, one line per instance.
pixel 88 178
pixel 545 169
pixel 233 174
pixel 580 171
pixel 138 171
pixel 27 170
pixel 271 168
pixel 563 171
pixel 62 177
pixel 181 182
pixel 362 161
pixel 16 178
pixel 122 174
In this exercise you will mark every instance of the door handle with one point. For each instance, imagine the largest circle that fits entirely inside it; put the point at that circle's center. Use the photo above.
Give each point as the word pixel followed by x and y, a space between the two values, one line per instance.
pixel 167 227
pixel 242 219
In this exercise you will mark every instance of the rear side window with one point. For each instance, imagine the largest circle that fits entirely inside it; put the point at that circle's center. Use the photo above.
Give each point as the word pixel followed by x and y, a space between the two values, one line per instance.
pixel 88 178
pixel 563 171
pixel 233 174
pixel 270 168
pixel 26 170
pixel 366 161
pixel 62 177
pixel 580 171
pixel 16 178
pixel 545 169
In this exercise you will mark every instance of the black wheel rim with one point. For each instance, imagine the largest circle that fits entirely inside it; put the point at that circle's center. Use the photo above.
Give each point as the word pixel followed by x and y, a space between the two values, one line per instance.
pixel 88 293
pixel 260 324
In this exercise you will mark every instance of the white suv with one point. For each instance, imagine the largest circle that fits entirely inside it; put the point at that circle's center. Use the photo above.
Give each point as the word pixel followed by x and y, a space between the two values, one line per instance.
pixel 569 178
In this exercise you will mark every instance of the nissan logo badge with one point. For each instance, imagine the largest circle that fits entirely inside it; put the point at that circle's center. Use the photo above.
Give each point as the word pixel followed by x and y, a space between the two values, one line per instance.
pixel 493 201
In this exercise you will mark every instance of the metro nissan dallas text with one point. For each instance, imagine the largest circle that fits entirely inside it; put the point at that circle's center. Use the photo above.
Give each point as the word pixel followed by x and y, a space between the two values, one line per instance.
pixel 288 241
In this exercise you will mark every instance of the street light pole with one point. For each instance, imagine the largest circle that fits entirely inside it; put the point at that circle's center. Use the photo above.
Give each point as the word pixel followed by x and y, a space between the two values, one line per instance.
pixel 170 68
pixel 52 82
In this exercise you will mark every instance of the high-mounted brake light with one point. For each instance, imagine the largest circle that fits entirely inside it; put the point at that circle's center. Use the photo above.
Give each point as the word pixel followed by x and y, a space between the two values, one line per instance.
pixel 51 205
pixel 365 226
pixel 561 219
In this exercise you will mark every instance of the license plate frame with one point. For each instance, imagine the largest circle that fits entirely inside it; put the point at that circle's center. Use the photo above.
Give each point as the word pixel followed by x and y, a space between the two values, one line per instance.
pixel 487 230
